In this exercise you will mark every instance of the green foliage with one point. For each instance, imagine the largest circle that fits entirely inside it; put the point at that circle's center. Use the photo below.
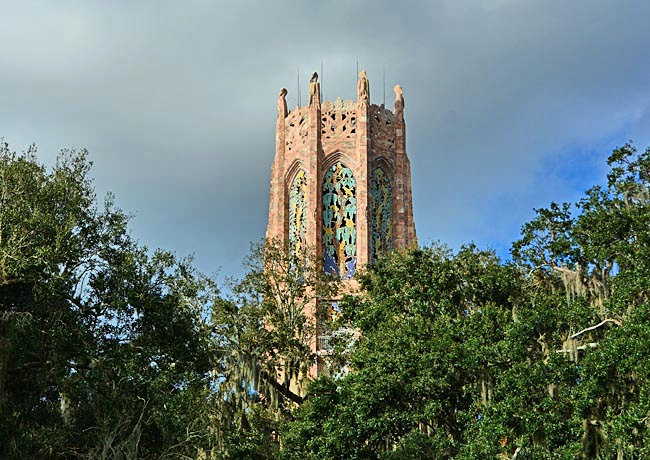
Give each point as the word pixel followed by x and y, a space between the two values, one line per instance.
pixel 265 335
pixel 104 352
pixel 109 350
pixel 430 347
pixel 463 356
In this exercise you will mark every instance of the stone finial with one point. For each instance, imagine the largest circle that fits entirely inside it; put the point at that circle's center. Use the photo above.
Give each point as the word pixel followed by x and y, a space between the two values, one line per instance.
pixel 314 91
pixel 399 102
pixel 282 103
pixel 363 88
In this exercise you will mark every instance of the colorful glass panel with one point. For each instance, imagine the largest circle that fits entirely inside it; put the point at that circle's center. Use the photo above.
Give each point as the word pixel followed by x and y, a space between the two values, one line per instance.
pixel 339 221
pixel 297 214
pixel 381 205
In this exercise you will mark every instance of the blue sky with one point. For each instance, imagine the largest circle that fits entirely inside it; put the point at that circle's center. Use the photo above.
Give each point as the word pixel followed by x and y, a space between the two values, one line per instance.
pixel 510 104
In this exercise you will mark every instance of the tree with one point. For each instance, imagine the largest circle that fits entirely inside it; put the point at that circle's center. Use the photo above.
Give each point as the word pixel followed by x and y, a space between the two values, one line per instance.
pixel 266 332
pixel 104 350
pixel 463 356
pixel 425 362
pixel 600 259
pixel 109 350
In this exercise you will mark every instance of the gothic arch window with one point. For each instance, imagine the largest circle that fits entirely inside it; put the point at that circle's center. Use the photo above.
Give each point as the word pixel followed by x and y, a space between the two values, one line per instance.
pixel 297 214
pixel 381 205
pixel 339 221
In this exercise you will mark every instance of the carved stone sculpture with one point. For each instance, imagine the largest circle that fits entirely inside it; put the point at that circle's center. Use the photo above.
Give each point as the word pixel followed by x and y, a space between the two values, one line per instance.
pixel 282 103
pixel 363 88
pixel 399 102
pixel 314 90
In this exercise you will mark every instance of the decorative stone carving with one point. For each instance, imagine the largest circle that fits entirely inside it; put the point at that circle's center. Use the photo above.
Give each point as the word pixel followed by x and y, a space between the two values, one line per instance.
pixel 282 103
pixel 382 128
pixel 338 120
pixel 399 102
pixel 314 91
pixel 297 129
pixel 339 105
pixel 363 89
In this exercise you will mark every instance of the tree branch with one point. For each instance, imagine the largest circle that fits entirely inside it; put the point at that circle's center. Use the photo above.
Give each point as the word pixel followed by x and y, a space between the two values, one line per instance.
pixel 581 347
pixel 591 328
pixel 287 393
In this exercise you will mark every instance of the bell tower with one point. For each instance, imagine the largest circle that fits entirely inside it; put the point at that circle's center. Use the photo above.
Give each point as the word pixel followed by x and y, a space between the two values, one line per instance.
pixel 341 179
pixel 341 183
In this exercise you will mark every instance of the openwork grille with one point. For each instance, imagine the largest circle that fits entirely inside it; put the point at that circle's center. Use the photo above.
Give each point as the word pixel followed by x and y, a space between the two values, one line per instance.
pixel 345 337
pixel 325 343
pixel 339 124
pixel 381 202
pixel 297 129
pixel 382 127
pixel 339 221
pixel 297 214
pixel 339 119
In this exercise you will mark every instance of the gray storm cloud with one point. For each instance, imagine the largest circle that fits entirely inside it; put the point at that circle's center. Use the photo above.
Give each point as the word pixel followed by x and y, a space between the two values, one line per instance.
pixel 509 104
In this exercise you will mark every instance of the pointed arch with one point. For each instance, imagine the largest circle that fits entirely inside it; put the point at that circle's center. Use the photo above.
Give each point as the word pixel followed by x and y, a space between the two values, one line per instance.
pixel 292 170
pixel 339 221
pixel 336 157
pixel 385 164
pixel 381 209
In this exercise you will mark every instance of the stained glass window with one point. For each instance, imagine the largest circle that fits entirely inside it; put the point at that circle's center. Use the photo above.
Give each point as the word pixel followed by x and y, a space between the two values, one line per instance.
pixel 381 205
pixel 339 221
pixel 297 216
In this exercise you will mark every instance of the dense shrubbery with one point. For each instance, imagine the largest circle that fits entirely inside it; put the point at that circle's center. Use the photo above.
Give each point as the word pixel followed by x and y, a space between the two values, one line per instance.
pixel 108 350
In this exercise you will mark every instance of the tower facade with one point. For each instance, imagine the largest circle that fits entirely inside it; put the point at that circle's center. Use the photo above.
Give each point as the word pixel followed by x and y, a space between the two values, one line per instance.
pixel 341 179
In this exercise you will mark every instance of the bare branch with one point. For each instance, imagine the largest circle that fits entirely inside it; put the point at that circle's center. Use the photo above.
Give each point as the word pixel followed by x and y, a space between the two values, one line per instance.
pixel 581 347
pixel 591 328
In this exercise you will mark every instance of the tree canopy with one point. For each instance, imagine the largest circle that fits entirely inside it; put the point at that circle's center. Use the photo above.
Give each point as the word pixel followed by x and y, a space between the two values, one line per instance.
pixel 465 356
pixel 104 347
pixel 111 350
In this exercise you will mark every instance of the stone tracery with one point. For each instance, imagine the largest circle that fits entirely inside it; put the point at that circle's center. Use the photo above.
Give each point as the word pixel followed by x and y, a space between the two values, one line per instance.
pixel 338 119
pixel 382 128
pixel 297 129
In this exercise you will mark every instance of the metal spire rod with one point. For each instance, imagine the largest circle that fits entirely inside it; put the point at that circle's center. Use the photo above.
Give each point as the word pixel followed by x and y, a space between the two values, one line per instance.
pixel 298 92
pixel 383 68
pixel 321 80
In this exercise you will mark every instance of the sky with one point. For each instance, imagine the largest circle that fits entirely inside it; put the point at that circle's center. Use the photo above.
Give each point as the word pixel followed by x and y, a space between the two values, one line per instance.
pixel 509 104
